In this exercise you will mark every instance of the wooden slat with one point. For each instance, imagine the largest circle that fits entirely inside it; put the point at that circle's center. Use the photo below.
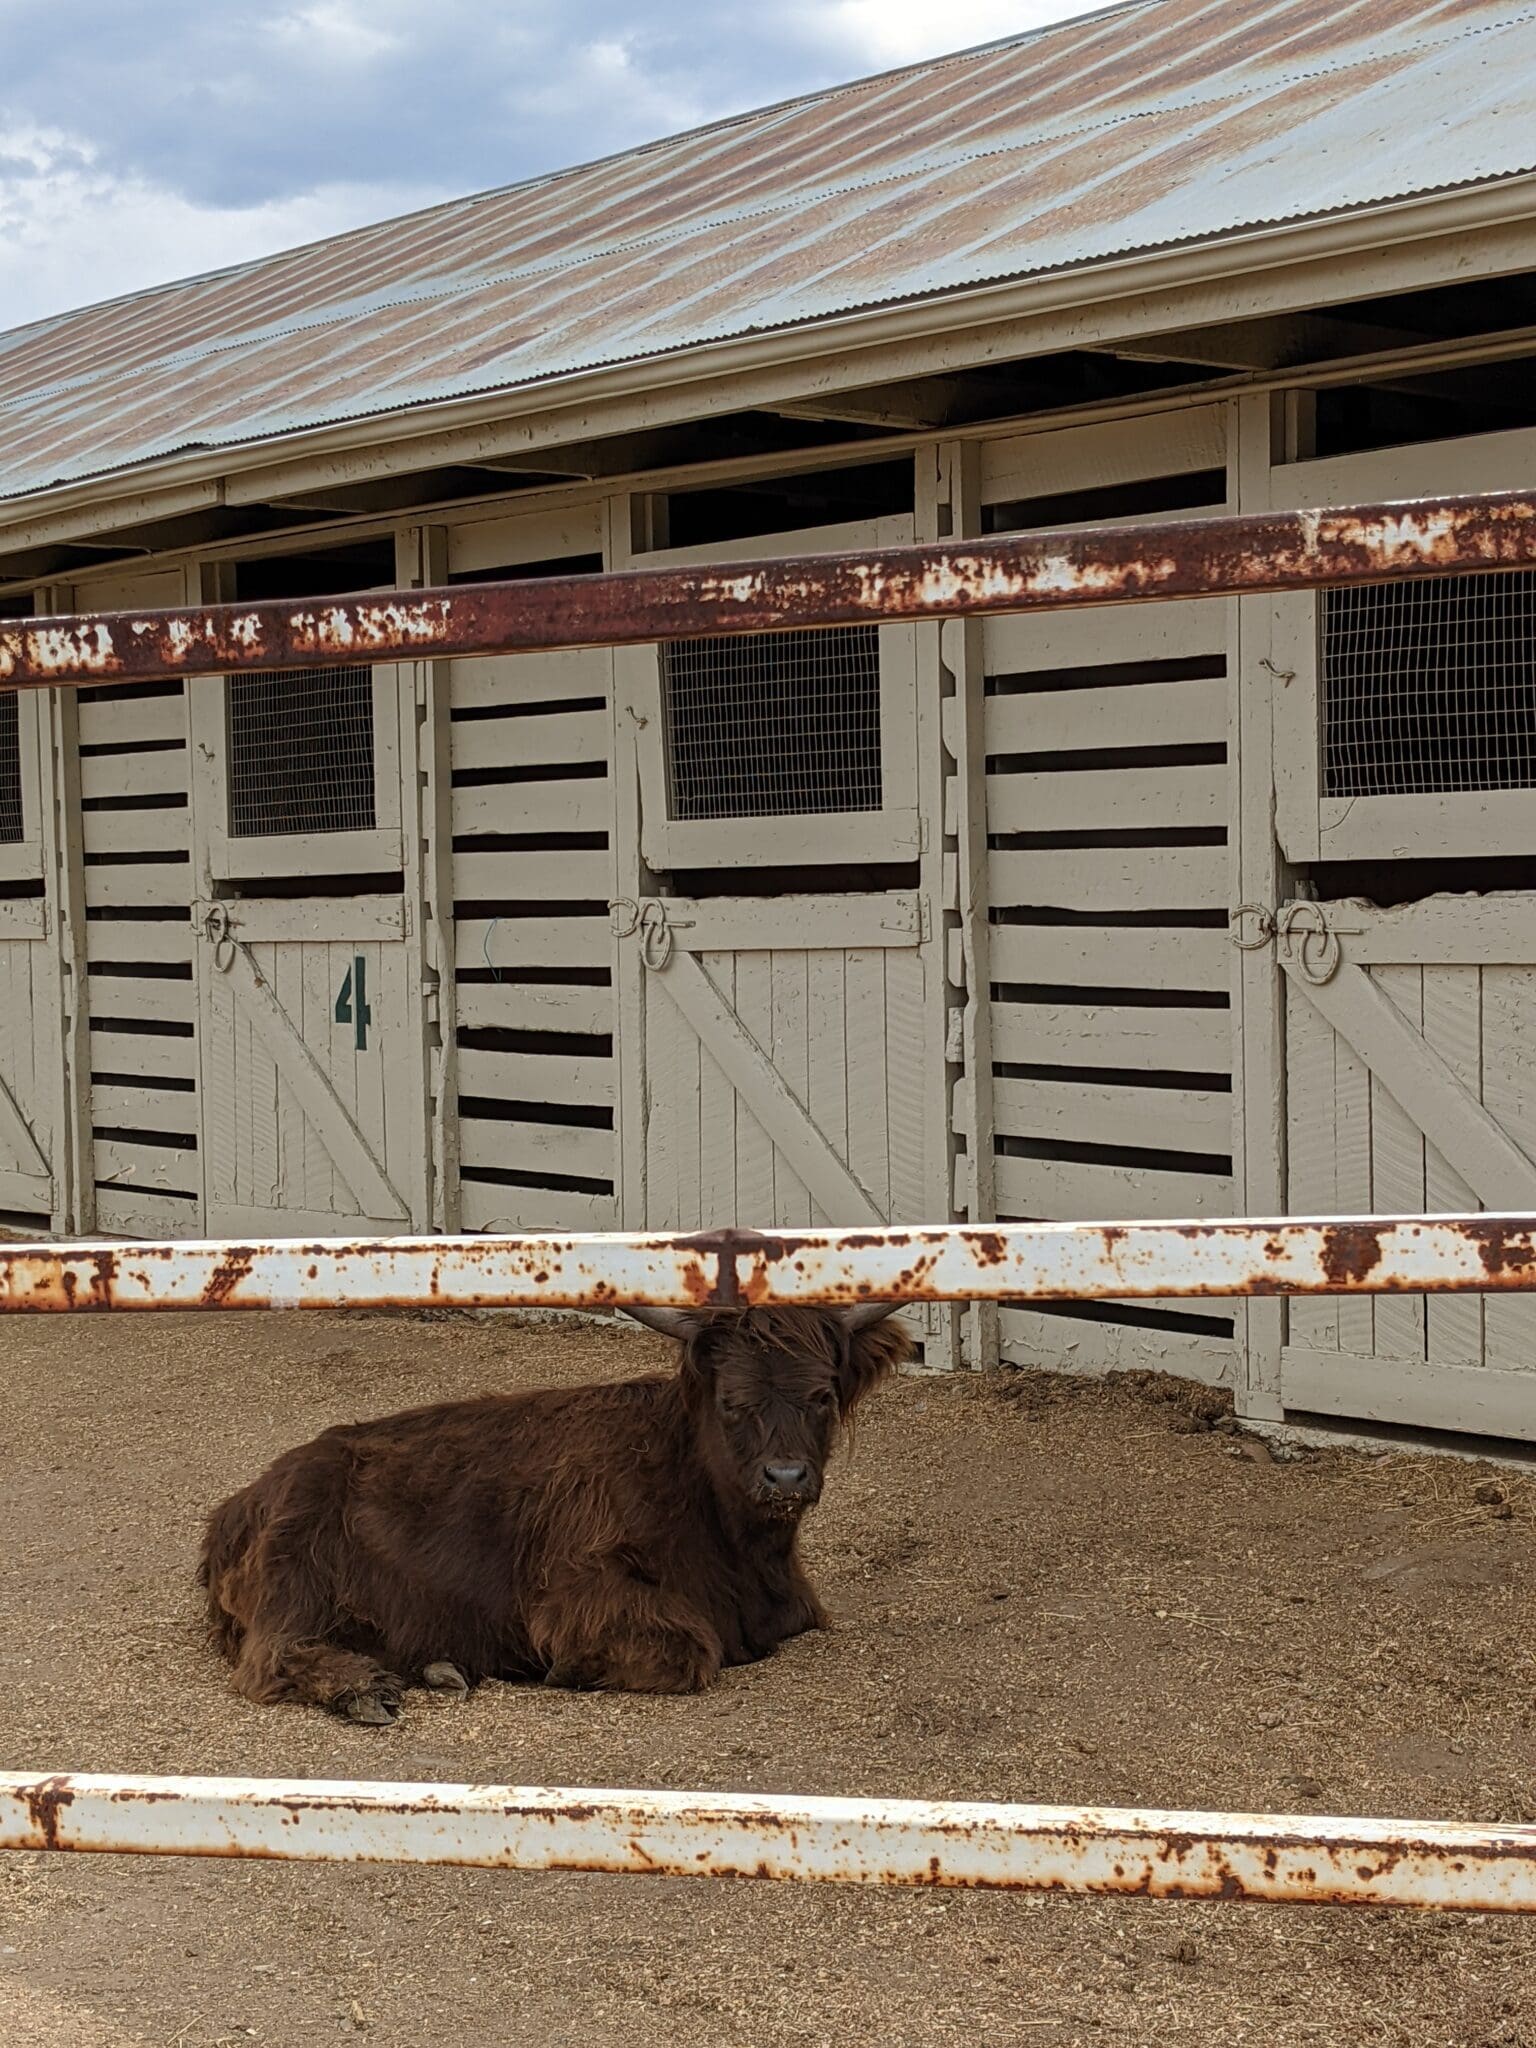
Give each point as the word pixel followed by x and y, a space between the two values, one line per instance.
pixel 127 719
pixel 751 977
pixel 120 1212
pixel 1352 1181
pixel 1108 800
pixel 535 1077
pixel 720 1111
pixel 554 739
pixel 1190 713
pixel 908 1058
pixel 793 923
pixel 533 807
pixel 1397 1155
pixel 493 679
pixel 1034 1337
pixel 532 877
pixel 1480 1400
pixel 1080 458
pixel 23 917
pixel 320 920
pixel 1113 878
pixel 1068 1191
pixel 547 534
pixel 119 995
pixel 788 1048
pixel 131 1166
pixel 1162 1119
pixel 536 1148
pixel 532 1006
pixel 124 1052
pixel 1397 827
pixel 1453 1028
pixel 513 942
pixel 1111 956
pixel 1311 1152
pixel 1443 931
pixel 139 886
pixel 127 940
pixel 145 1109
pixel 1509 1095
pixel 484 1207
pixel 1039 643
pixel 1112 1035
pixel 135 774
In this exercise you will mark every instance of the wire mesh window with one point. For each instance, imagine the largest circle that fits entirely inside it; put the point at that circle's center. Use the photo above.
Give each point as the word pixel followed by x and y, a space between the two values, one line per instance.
pixel 12 818
pixel 1430 685
pixel 301 752
pixel 763 725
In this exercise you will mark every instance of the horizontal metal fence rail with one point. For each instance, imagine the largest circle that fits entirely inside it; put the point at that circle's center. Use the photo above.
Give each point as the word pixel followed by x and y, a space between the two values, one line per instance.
pixel 1224 556
pixel 1286 1859
pixel 743 1268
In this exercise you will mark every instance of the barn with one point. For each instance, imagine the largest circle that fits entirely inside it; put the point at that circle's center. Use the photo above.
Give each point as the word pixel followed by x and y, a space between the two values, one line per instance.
pixel 1185 910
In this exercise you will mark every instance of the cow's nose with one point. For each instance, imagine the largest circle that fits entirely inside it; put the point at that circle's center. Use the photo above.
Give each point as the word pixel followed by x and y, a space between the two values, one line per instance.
pixel 785 1478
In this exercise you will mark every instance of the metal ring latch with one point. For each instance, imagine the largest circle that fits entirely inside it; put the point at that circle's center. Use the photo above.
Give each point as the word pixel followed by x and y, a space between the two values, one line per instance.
pixel 1319 952
pixel 220 934
pixel 1264 926
pixel 655 935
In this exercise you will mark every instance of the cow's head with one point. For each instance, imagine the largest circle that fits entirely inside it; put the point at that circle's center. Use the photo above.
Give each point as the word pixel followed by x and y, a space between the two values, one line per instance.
pixel 769 1387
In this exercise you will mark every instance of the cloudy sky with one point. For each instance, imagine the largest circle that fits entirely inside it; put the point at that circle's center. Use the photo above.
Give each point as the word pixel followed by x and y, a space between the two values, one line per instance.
pixel 145 142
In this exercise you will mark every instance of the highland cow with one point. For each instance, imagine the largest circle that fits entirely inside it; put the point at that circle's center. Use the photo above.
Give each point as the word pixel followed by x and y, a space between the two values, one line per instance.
pixel 635 1536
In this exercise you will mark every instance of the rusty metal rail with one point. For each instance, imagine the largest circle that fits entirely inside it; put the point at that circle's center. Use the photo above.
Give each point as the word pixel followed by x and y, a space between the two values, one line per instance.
pixel 740 1268
pixel 1283 1858
pixel 1270 551
pixel 1287 1859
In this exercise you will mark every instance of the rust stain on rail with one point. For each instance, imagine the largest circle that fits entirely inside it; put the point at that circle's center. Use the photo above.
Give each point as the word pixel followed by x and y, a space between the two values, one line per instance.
pixel 1253 552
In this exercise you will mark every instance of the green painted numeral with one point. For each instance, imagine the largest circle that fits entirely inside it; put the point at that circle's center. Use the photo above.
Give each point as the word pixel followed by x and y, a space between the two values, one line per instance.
pixel 352 1001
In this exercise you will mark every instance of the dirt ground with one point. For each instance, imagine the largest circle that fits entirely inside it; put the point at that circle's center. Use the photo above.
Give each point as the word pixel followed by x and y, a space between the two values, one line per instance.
pixel 1045 1590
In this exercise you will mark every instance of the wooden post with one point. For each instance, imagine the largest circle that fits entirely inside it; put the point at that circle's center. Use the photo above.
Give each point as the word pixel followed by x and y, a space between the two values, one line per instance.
pixel 421 562
pixel 1260 427
pixel 74 1201
pixel 952 795
pixel 628 881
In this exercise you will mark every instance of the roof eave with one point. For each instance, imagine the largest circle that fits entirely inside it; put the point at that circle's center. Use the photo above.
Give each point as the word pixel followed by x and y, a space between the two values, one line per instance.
pixel 1126 296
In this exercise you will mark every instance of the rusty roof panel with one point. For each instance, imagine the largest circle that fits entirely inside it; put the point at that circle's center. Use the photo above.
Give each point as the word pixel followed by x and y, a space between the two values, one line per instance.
pixel 1163 122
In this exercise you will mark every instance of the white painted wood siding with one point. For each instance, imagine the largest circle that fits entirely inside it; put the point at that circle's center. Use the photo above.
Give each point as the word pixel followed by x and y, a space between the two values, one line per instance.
pixel 1108 798
pixel 136 832
pixel 532 878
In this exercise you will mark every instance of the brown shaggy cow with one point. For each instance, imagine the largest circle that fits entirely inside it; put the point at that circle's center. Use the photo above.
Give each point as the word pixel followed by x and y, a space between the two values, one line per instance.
pixel 635 1536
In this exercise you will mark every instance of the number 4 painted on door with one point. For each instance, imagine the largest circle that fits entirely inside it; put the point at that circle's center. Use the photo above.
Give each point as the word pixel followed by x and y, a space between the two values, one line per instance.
pixel 352 1001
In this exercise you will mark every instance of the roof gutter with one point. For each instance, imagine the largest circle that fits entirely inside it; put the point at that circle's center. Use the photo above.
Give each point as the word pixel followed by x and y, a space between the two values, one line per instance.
pixel 1088 306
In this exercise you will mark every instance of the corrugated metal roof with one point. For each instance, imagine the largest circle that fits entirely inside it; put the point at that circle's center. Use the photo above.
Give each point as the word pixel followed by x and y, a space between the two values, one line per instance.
pixel 1163 122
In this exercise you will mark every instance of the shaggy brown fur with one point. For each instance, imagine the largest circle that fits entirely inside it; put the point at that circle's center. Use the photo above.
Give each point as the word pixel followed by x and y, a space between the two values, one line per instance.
pixel 634 1536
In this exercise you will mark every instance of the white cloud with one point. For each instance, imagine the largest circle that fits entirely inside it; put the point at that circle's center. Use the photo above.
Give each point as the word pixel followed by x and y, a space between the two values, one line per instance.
pixel 905 31
pixel 70 234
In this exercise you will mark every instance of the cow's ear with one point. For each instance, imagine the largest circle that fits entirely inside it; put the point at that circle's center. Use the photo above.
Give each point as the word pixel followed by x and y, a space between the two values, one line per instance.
pixel 876 1346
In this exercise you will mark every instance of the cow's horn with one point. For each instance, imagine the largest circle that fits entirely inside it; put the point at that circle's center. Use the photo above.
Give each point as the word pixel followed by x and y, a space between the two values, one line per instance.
pixel 672 1322
pixel 868 1312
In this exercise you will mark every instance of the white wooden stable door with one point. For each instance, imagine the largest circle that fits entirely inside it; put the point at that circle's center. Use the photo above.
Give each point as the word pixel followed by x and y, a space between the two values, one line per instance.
pixel 772 1023
pixel 1411 1088
pixel 783 1061
pixel 31 1074
pixel 308 962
